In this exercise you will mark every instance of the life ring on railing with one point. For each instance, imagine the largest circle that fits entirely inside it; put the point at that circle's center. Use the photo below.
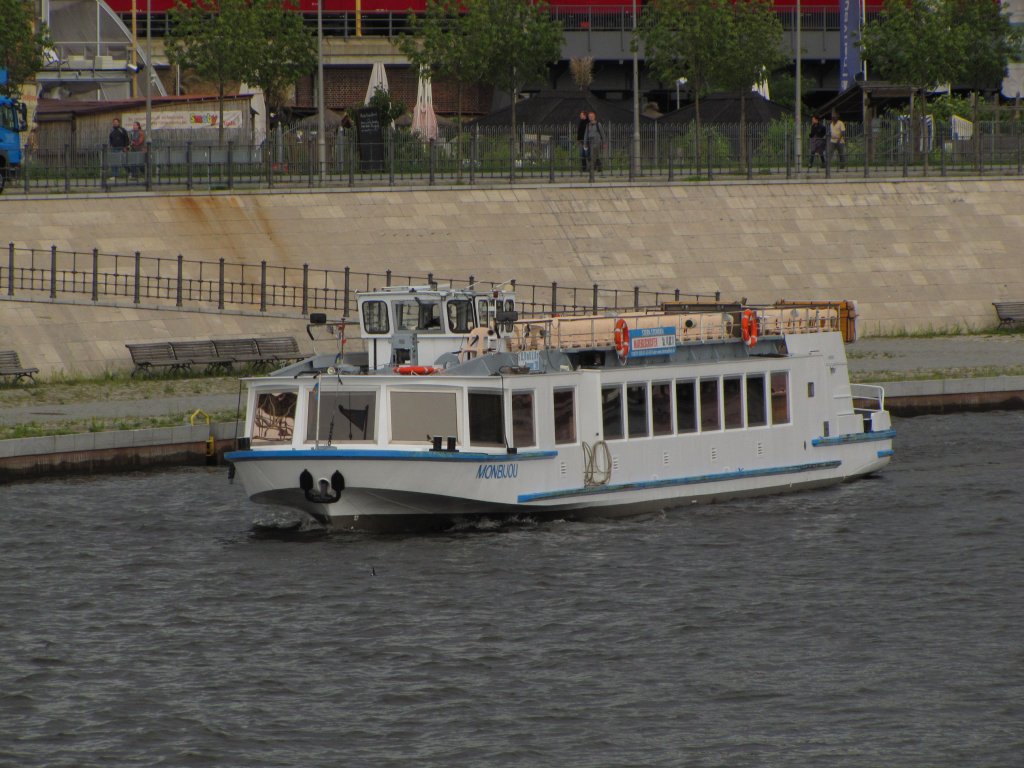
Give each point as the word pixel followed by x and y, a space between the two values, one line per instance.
pixel 749 325
pixel 415 370
pixel 621 339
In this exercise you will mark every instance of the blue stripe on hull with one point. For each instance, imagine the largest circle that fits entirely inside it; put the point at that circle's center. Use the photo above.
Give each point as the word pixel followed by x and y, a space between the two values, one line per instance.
pixel 855 437
pixel 677 481
pixel 306 455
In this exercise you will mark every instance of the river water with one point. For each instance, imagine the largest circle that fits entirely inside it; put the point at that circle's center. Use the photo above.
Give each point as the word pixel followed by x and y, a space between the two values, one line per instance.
pixel 880 623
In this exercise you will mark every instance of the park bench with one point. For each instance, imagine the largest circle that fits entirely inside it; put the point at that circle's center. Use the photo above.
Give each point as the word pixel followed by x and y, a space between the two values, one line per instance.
pixel 1009 312
pixel 149 356
pixel 10 366
pixel 275 350
pixel 240 351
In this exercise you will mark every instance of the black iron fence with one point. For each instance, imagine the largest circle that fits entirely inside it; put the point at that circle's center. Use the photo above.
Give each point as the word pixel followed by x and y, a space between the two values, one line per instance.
pixel 156 282
pixel 665 151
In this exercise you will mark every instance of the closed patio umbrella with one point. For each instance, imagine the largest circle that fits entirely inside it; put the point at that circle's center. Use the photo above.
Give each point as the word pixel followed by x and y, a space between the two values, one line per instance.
pixel 424 121
pixel 378 79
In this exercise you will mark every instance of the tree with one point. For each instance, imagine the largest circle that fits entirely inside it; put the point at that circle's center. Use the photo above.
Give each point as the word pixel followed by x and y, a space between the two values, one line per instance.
pixel 681 40
pixel 985 43
pixel 21 46
pixel 214 38
pixel 515 41
pixel 752 48
pixel 283 52
pixel 912 43
pixel 440 44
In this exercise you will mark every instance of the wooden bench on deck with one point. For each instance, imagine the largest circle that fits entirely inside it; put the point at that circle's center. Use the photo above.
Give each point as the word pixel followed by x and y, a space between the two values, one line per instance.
pixel 10 365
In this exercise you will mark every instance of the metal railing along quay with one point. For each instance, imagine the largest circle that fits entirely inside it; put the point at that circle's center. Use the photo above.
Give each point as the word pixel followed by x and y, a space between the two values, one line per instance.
pixel 155 282
pixel 668 152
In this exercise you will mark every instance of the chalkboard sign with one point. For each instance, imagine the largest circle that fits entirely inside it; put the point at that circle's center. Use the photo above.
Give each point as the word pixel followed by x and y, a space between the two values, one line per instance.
pixel 371 140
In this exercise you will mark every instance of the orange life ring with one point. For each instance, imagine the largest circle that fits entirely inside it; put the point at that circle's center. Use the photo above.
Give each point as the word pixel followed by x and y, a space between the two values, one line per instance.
pixel 749 327
pixel 415 370
pixel 621 339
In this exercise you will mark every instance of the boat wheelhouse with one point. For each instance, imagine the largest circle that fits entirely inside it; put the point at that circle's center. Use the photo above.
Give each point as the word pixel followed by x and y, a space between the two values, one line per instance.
pixel 460 408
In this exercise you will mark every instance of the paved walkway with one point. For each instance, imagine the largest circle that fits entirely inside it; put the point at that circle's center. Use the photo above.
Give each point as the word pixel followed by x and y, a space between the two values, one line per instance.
pixel 958 357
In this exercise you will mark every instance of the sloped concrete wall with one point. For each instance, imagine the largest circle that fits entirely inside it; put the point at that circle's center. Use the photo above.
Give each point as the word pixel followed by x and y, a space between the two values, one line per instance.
pixel 914 254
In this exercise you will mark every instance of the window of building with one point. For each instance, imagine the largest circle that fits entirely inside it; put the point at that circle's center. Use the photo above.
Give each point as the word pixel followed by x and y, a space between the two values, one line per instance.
pixel 375 317
pixel 565 415
pixel 416 417
pixel 522 420
pixel 661 407
pixel 780 397
pixel 611 412
pixel 460 316
pixel 757 410
pixel 636 409
pixel 486 425
pixel 732 394
pixel 686 406
pixel 341 417
pixel 710 420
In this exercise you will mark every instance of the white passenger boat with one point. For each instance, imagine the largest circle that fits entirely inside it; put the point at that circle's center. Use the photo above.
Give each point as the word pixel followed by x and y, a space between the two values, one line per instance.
pixel 459 408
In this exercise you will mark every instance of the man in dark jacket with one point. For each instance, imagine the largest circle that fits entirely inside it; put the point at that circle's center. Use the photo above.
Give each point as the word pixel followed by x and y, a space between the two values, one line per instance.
pixel 581 139
pixel 817 136
pixel 119 142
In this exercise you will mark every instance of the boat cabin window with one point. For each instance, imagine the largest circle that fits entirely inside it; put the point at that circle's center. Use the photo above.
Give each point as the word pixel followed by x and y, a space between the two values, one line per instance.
pixel 273 420
pixel 780 397
pixel 565 415
pixel 418 315
pixel 661 407
pixel 709 417
pixel 460 316
pixel 611 412
pixel 732 393
pixel 522 420
pixel 375 317
pixel 636 409
pixel 483 312
pixel 757 411
pixel 686 406
pixel 510 306
pixel 416 417
pixel 486 427
pixel 341 417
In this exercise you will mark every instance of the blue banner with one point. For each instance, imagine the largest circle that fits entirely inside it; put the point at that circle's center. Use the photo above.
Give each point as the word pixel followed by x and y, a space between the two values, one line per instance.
pixel 849 35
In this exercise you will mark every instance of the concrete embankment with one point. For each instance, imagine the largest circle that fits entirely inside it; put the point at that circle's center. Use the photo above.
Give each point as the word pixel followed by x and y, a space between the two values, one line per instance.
pixel 914 254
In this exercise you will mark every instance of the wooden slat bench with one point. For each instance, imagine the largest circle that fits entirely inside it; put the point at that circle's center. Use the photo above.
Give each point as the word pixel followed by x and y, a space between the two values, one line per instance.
pixel 278 349
pixel 149 356
pixel 1009 312
pixel 10 366
pixel 238 351
pixel 199 353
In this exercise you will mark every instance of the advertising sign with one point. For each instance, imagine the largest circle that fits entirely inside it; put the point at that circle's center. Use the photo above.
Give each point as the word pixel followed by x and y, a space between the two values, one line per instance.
pixel 645 342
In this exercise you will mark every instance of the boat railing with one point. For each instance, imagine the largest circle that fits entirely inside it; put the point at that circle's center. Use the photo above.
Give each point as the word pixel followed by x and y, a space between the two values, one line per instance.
pixel 779 321
pixel 599 331
pixel 867 397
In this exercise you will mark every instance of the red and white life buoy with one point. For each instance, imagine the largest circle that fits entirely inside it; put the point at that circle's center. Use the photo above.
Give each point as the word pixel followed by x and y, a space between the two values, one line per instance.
pixel 749 327
pixel 415 370
pixel 621 339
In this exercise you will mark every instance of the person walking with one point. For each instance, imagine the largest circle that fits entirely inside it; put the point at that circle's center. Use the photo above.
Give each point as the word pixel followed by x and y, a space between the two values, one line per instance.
pixel 119 142
pixel 838 140
pixel 594 141
pixel 137 146
pixel 817 135
pixel 581 139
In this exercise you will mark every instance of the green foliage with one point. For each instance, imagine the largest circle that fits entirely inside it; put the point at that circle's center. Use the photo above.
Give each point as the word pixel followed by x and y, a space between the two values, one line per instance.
pixel 388 109
pixel 681 39
pixel 263 42
pixel 21 46
pixel 985 42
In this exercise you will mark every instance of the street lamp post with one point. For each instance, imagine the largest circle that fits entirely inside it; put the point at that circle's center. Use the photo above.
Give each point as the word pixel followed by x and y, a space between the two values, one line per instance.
pixel 321 138
pixel 634 155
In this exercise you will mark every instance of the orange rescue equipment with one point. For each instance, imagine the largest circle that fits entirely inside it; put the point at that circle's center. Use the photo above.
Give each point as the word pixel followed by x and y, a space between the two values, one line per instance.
pixel 415 370
pixel 621 339
pixel 749 327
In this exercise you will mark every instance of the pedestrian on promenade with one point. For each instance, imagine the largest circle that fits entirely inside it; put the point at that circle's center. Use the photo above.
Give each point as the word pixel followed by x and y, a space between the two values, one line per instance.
pixel 838 138
pixel 119 143
pixel 818 135
pixel 595 141
pixel 137 145
pixel 581 139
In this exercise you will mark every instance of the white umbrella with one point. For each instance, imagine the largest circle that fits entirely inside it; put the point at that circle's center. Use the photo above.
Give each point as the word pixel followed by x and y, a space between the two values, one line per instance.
pixel 761 86
pixel 378 79
pixel 424 121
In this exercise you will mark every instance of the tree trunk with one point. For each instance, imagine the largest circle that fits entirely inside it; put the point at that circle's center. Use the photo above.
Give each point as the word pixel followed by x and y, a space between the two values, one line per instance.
pixel 220 116
pixel 743 129
pixel 698 138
